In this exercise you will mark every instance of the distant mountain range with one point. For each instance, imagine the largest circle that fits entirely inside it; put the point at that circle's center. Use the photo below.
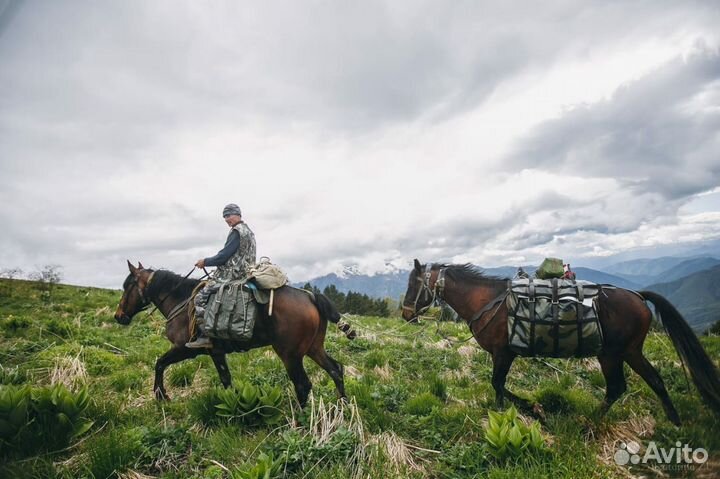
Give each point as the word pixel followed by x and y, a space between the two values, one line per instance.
pixel 692 284
pixel 660 270
pixel 696 296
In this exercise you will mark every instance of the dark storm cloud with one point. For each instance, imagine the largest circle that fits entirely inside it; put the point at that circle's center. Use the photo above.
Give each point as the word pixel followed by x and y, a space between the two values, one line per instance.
pixel 656 135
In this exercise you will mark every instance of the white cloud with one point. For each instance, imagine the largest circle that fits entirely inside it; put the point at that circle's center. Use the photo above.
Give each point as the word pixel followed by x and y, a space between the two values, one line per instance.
pixel 353 134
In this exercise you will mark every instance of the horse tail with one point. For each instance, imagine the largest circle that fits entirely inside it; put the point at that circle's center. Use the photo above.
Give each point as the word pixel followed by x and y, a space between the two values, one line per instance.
pixel 328 312
pixel 703 371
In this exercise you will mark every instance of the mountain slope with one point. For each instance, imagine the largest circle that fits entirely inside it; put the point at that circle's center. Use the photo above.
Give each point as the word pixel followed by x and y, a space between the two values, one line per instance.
pixel 645 266
pixel 696 296
pixel 384 285
pixel 604 278
pixel 661 270
pixel 687 268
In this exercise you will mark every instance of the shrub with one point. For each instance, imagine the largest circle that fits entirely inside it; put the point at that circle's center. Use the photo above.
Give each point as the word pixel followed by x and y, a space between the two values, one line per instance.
pixel 554 400
pixel 14 410
pixel 375 358
pixel 44 417
pixel 182 375
pixel 127 379
pixel 11 376
pixel 245 404
pixel 422 404
pixel 438 387
pixel 60 328
pixel 59 415
pixel 507 436
pixel 14 324
pixel 302 450
pixel 113 452
pixel 266 467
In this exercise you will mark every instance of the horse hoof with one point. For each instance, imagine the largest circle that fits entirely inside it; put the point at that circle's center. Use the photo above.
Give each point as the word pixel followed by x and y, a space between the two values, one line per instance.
pixel 161 395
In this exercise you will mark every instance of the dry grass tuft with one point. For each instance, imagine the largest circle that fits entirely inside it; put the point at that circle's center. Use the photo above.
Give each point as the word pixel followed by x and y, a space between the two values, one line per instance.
pixel 105 310
pixel 591 364
pixel 353 372
pixel 69 371
pixel 609 438
pixel 467 351
pixel 400 458
pixel 384 372
pixel 442 344
pixel 387 449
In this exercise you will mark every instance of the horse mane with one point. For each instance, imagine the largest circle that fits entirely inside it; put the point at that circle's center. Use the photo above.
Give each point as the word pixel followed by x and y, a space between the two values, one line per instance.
pixel 469 273
pixel 166 281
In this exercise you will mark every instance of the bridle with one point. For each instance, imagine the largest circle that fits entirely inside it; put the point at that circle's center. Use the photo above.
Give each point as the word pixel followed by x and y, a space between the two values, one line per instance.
pixel 145 301
pixel 426 291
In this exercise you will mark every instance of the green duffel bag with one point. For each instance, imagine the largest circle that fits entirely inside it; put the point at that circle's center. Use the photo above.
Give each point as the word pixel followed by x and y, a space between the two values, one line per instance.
pixel 550 268
pixel 231 312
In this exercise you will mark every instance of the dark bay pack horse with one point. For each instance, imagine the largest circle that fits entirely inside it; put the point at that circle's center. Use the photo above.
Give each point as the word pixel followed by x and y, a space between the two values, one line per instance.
pixel 295 329
pixel 624 319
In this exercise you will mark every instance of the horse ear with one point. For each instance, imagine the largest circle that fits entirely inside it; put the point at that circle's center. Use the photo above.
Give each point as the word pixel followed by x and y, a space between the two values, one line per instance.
pixel 132 268
pixel 140 266
pixel 418 266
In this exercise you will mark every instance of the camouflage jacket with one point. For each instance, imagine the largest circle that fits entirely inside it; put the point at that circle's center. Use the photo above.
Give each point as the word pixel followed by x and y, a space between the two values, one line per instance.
pixel 242 260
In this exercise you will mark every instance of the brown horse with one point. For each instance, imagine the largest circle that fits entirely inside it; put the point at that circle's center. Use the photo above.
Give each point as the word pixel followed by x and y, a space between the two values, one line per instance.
pixel 624 319
pixel 296 328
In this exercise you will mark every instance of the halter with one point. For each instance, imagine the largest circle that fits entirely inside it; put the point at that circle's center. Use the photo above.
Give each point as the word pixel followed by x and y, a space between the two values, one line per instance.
pixel 435 292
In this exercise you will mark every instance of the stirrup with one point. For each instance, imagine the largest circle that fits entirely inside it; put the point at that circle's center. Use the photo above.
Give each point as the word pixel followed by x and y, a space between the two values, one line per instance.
pixel 200 342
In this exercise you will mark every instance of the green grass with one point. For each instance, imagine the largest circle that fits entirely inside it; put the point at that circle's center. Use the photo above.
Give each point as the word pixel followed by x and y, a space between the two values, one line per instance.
pixel 418 403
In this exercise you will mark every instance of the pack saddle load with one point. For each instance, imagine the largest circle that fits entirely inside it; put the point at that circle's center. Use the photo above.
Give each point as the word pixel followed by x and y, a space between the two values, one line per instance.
pixel 234 307
pixel 553 317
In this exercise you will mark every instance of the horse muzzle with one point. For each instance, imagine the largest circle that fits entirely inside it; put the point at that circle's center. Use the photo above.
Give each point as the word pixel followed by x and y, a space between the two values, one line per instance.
pixel 123 319
pixel 409 314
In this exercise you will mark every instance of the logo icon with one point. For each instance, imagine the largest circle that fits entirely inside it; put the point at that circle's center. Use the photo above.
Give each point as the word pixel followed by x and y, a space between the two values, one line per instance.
pixel 627 453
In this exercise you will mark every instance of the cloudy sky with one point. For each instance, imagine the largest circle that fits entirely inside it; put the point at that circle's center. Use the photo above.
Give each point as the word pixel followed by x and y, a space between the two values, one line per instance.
pixel 355 133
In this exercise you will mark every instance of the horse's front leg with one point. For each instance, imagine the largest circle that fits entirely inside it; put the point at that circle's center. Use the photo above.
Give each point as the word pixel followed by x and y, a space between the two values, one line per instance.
pixel 175 355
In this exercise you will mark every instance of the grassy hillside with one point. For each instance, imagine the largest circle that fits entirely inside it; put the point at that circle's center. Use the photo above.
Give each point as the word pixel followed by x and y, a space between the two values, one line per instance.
pixel 419 403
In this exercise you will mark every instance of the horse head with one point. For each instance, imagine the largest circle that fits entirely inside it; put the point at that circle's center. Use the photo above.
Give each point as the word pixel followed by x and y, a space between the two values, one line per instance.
pixel 134 298
pixel 419 296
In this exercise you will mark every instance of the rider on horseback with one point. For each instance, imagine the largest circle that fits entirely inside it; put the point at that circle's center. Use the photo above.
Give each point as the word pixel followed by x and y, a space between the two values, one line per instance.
pixel 233 263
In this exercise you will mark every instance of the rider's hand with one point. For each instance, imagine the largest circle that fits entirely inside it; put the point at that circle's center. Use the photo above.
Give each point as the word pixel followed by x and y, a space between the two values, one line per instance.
pixel 200 263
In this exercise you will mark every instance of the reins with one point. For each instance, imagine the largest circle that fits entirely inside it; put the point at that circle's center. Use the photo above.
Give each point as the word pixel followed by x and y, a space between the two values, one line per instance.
pixel 435 293
pixel 177 309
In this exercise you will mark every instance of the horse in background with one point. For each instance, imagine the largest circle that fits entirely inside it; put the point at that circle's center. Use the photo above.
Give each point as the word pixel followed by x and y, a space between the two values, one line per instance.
pixel 624 318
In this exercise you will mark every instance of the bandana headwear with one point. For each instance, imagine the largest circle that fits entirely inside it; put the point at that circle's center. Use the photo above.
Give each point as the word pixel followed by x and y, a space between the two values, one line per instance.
pixel 231 209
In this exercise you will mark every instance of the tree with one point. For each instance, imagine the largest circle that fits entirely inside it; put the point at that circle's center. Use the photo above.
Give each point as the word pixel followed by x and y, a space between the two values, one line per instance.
pixel 336 297
pixel 311 288
pixel 11 273
pixel 714 329
pixel 47 277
